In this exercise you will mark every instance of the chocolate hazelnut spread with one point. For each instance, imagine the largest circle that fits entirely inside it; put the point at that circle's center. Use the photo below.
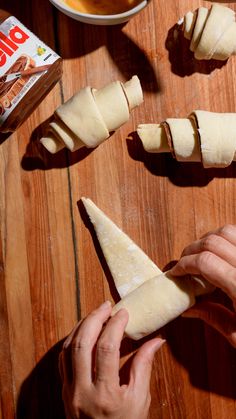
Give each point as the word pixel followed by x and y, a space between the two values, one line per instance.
pixel 20 52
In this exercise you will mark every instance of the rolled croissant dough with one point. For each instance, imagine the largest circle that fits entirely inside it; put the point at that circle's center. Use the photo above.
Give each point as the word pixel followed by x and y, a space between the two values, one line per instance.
pixel 88 117
pixel 204 136
pixel 185 139
pixel 212 32
pixel 151 297
pixel 81 115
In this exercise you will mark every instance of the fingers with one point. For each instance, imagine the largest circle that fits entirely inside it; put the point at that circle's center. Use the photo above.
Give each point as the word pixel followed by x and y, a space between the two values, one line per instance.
pixel 214 269
pixel 216 316
pixel 228 232
pixel 141 369
pixel 71 335
pixel 216 244
pixel 108 349
pixel 82 343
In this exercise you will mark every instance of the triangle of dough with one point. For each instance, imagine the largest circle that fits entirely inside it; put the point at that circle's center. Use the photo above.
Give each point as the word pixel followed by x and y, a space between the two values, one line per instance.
pixel 129 265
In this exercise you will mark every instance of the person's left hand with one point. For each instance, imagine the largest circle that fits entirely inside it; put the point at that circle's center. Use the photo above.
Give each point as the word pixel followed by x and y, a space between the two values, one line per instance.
pixel 89 367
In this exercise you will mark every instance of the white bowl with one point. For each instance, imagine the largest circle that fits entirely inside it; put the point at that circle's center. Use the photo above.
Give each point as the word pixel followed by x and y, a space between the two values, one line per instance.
pixel 99 19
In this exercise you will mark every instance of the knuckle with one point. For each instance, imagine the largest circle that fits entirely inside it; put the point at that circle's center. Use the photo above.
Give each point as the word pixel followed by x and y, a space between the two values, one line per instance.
pixel 209 243
pixel 106 346
pixel 79 399
pixel 205 258
pixel 81 342
pixel 93 314
pixel 146 359
pixel 227 229
pixel 107 405
pixel 76 405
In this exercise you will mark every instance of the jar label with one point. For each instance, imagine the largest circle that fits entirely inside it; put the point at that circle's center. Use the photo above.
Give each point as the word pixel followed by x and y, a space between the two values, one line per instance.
pixel 20 51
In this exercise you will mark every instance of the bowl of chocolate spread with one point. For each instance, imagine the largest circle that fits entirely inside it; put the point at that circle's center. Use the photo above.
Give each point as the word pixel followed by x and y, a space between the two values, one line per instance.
pixel 100 12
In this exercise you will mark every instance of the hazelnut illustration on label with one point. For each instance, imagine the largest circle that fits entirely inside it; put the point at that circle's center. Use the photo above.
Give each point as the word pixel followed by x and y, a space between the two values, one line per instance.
pixel 24 60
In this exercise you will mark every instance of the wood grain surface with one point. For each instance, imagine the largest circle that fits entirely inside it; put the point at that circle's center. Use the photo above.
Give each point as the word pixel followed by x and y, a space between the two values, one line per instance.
pixel 51 269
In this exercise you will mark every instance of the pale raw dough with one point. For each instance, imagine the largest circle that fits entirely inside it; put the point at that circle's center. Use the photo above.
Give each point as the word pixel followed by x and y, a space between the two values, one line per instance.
pixel 88 118
pixel 201 17
pixel 82 116
pixel 71 141
pixel 133 92
pixel 225 47
pixel 129 265
pixel 153 137
pixel 158 301
pixel 211 32
pixel 112 105
pixel 184 139
pixel 204 136
pixel 151 297
pixel 189 22
pixel 218 138
pixel 155 303
pixel 51 143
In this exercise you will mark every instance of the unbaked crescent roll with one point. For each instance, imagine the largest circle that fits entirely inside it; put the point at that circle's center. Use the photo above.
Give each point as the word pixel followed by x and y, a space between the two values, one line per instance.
pixel 212 33
pixel 204 136
pixel 88 117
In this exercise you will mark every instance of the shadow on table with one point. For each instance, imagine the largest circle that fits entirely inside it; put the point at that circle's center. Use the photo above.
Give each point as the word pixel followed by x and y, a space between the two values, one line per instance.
pixel 210 364
pixel 179 173
pixel 36 156
pixel 204 353
pixel 40 394
pixel 129 58
pixel 4 137
pixel 73 39
pixel 182 59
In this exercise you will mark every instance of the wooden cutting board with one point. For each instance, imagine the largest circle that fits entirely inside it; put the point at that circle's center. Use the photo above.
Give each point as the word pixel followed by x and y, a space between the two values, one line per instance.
pixel 51 273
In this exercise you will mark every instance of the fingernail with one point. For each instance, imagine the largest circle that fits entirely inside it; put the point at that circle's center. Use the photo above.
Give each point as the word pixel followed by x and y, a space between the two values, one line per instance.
pixel 123 312
pixel 105 305
pixel 159 344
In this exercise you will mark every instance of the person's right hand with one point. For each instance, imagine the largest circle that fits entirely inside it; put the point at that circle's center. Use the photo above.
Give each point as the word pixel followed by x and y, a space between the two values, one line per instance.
pixel 89 367
pixel 214 258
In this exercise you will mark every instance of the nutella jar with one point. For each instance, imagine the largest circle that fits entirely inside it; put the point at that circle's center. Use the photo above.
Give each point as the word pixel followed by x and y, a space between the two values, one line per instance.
pixel 28 71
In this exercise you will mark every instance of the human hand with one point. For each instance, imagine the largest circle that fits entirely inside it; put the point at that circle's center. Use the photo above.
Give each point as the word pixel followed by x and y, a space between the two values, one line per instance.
pixel 214 258
pixel 89 367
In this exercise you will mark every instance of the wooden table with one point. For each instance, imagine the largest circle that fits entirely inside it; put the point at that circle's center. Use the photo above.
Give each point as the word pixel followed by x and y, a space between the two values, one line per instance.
pixel 51 273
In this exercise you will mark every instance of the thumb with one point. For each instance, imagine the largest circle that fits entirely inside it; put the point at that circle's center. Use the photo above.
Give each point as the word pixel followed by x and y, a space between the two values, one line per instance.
pixel 217 316
pixel 141 368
